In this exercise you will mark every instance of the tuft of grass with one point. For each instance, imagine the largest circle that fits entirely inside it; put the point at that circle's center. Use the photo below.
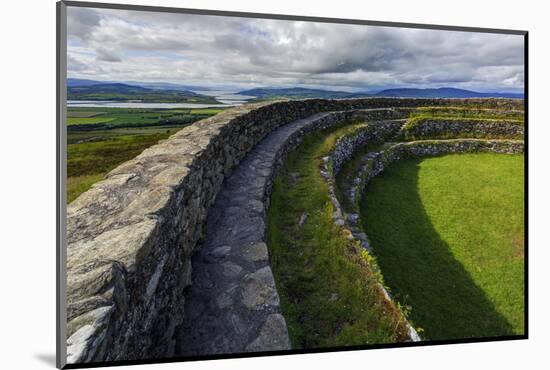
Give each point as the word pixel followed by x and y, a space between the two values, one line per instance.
pixel 77 185
pixel 448 235
pixel 328 285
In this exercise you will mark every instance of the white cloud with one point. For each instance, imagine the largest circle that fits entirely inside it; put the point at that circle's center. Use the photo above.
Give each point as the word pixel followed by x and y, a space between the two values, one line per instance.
pixel 214 50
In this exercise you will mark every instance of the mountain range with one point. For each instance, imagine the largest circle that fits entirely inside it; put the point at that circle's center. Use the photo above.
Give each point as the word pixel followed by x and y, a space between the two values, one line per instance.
pixel 101 91
pixel 444 92
pixel 298 93
pixel 80 89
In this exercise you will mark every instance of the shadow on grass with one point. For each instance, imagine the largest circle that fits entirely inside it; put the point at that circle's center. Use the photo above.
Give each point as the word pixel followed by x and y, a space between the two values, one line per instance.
pixel 418 265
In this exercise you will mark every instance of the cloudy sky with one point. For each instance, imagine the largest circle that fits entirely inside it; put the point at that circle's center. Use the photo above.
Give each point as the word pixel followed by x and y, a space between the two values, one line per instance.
pixel 117 45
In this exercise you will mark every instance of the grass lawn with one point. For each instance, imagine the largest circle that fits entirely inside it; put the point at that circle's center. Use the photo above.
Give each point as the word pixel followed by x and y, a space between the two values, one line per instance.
pixel 448 236
pixel 328 289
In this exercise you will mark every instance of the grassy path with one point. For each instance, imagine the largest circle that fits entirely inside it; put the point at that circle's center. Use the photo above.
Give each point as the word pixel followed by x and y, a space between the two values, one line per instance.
pixel 328 291
pixel 448 235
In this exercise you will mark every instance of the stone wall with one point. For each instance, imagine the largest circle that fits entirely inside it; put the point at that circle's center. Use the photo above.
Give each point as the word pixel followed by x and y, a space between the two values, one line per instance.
pixel 379 160
pixel 453 128
pixel 131 235
pixel 376 162
pixel 346 146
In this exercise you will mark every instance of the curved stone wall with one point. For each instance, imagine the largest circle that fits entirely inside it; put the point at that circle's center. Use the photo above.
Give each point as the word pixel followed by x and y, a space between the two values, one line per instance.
pixel 480 111
pixel 346 145
pixel 474 128
pixel 130 237
pixel 236 297
pixel 396 151
pixel 343 149
pixel 381 131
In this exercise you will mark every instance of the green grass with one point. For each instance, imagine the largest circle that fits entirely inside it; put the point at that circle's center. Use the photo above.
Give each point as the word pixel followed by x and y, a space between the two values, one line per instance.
pixel 328 287
pixel 207 111
pixel 448 235
pixel 79 137
pixel 108 118
pixel 100 138
pixel 88 120
pixel 77 185
pixel 71 113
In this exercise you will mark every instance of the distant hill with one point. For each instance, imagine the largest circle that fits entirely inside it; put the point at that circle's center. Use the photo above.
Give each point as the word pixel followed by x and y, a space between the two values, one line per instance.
pixel 106 88
pixel 444 92
pixel 83 89
pixel 79 82
pixel 305 93
pixel 124 92
pixel 298 93
pixel 72 82
pixel 168 86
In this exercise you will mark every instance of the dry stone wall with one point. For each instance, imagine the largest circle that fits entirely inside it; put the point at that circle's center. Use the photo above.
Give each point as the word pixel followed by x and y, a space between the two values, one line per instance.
pixel 130 237
pixel 233 305
pixel 474 128
pixel 375 163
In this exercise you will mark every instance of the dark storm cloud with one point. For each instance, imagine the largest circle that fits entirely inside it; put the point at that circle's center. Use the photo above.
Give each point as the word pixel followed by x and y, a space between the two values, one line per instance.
pixel 255 52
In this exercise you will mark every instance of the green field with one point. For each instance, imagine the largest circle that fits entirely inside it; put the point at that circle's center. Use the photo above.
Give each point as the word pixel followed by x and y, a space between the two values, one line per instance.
pixel 207 111
pixel 107 118
pixel 88 162
pixel 99 139
pixel 74 113
pixel 88 120
pixel 448 235
pixel 328 287
pixel 123 92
